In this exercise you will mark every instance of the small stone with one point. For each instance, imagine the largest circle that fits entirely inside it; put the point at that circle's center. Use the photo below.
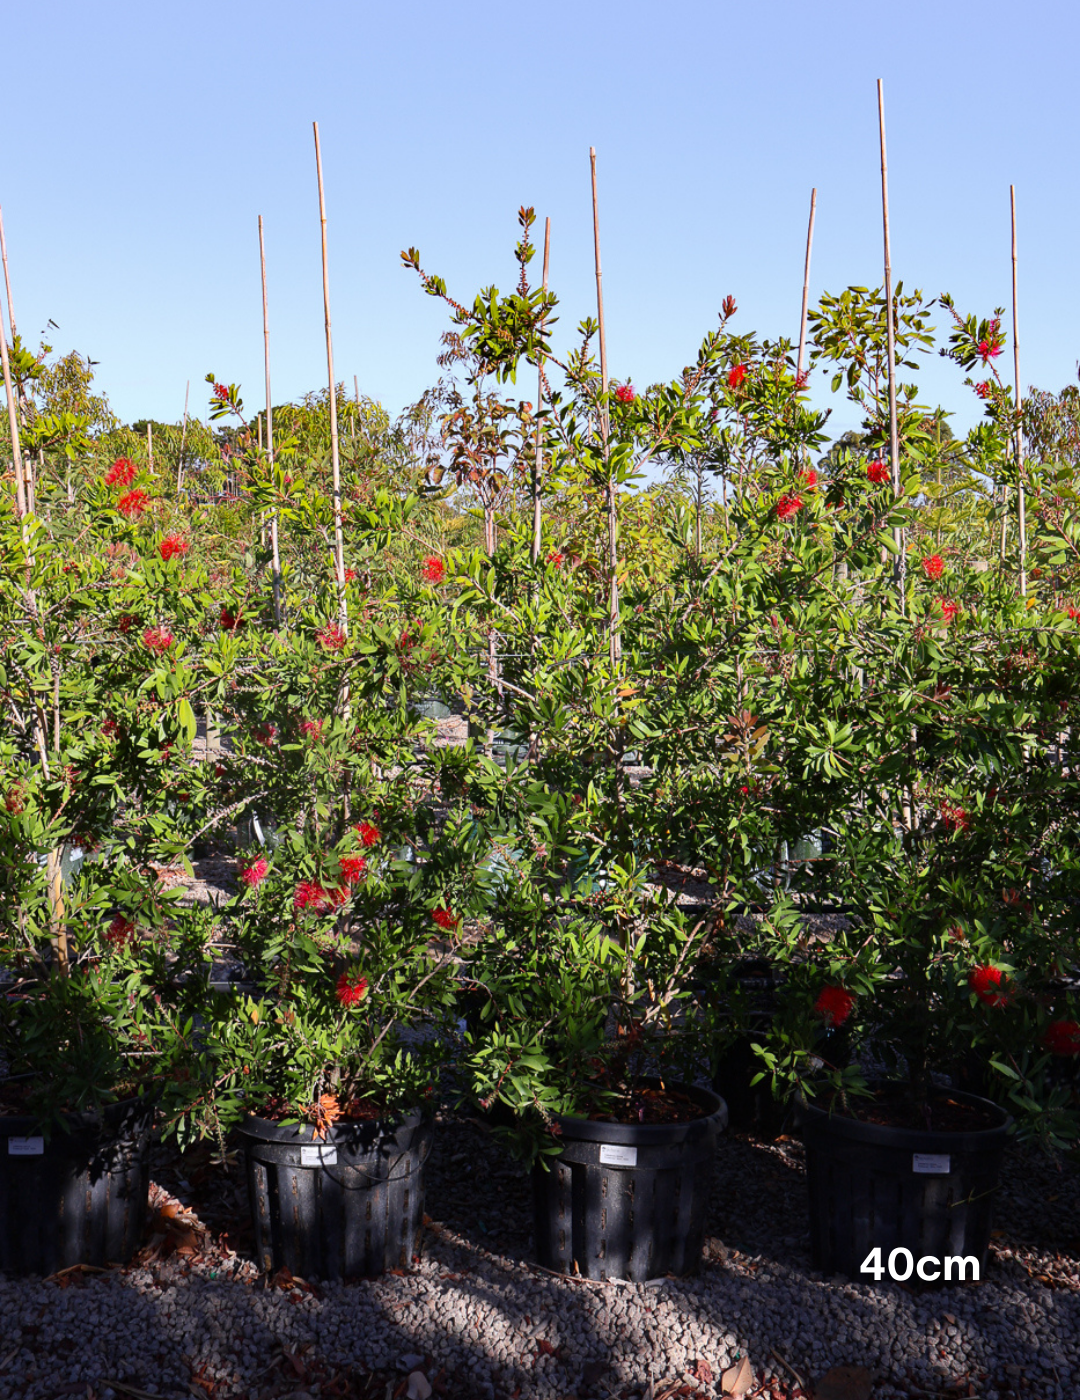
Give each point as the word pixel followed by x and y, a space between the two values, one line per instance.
pixel 419 1387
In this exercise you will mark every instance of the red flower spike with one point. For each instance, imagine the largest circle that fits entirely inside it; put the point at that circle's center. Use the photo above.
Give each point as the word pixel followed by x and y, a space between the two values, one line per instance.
pixel 736 375
pixel 121 473
pixel 331 637
pixel 949 609
pixel 264 734
pixel 954 817
pixel 835 1004
pixel 788 505
pixel 557 558
pixel 255 873
pixel 877 472
pixel 367 833
pixel 173 546
pixel 625 393
pixel 983 389
pixel 157 639
pixel 119 933
pixel 444 918
pixel 229 620
pixel 221 392
pixel 433 570
pixel 1062 1038
pixel 352 867
pixel 990 985
pixel 933 566
pixel 311 896
pixel 808 477
pixel 351 989
pixel 312 729
pixel 988 349
pixel 133 503
pixel 350 575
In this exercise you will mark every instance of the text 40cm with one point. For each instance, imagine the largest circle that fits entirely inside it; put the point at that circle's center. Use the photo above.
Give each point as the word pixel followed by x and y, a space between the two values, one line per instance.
pixel 902 1264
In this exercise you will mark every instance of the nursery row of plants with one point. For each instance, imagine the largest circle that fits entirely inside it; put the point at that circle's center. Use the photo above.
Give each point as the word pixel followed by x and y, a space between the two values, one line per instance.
pixel 688 635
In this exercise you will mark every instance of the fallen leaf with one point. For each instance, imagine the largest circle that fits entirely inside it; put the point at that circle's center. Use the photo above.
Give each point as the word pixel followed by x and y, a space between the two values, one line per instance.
pixel 701 1371
pixel 845 1383
pixel 544 1348
pixel 419 1386
pixel 737 1379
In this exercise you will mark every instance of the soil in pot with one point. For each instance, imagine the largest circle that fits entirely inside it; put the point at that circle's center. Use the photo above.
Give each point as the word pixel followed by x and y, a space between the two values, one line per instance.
pixel 629 1200
pixel 897 1186
pixel 81 1196
pixel 349 1204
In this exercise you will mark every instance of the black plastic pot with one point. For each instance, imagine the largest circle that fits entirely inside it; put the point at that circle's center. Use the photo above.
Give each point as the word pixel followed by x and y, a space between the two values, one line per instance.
pixel 628 1201
pixel 348 1207
pixel 80 1197
pixel 876 1187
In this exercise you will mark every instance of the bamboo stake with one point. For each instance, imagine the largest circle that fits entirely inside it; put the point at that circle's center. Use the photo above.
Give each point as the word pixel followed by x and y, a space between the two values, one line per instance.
pixel 806 284
pixel 612 515
pixel 275 560
pixel 335 460
pixel 13 424
pixel 1020 502
pixel 894 434
pixel 150 445
pixel 537 455
pixel 183 440
pixel 7 278
pixel 356 388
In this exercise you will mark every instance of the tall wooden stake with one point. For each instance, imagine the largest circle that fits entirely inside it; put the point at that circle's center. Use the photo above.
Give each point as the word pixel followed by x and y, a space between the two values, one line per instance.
pixel 7 278
pixel 183 441
pixel 13 424
pixel 806 284
pixel 537 480
pixel 894 433
pixel 356 388
pixel 335 459
pixel 612 514
pixel 1020 501
pixel 150 445
pixel 275 556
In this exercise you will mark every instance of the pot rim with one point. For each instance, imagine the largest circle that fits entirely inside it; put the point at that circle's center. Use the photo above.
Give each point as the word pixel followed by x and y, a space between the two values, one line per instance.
pixel 646 1134
pixel 910 1139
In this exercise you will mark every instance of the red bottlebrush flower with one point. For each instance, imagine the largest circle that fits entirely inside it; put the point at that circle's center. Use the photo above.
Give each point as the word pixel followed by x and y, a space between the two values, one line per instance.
pixel 255 873
pixel 350 575
pixel 157 639
pixel 331 637
pixel 119 933
pixel 988 349
pixel 367 833
pixel 802 379
pixel 433 570
pixel 109 728
pixel 736 375
pixel 835 1004
pixel 173 546
pixel 808 477
pixel 229 620
pixel 351 989
pixel 221 392
pixel 1073 613
pixel 264 734
pixel 983 389
pixel 125 622
pixel 990 985
pixel 444 918
pixel 788 505
pixel 310 895
pixel 949 609
pixel 625 393
pixel 121 473
pixel 557 558
pixel 933 565
pixel 954 817
pixel 878 472
pixel 312 729
pixel 133 502
pixel 352 867
pixel 1062 1038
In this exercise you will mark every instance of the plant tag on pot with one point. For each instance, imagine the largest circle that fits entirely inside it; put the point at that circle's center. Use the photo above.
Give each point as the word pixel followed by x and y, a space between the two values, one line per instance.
pixel 26 1146
pixel 320 1156
pixel 613 1156
pixel 932 1163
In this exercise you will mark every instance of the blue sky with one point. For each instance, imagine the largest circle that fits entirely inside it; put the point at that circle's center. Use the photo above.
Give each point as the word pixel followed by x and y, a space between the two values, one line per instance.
pixel 143 142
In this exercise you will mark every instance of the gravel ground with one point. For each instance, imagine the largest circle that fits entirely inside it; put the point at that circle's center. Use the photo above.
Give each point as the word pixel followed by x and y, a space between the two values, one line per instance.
pixel 193 1316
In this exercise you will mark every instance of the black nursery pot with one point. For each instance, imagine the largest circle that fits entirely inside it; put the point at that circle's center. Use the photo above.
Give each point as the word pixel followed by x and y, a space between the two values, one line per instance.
pixel 627 1200
pixel 348 1207
pixel 888 1188
pixel 80 1197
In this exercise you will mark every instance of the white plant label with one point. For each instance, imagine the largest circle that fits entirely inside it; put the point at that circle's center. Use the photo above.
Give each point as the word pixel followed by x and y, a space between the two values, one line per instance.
pixel 611 1156
pixel 932 1163
pixel 318 1156
pixel 26 1146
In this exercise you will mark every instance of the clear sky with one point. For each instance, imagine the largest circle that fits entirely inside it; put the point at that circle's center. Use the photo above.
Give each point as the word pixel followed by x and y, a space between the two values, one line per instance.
pixel 142 142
